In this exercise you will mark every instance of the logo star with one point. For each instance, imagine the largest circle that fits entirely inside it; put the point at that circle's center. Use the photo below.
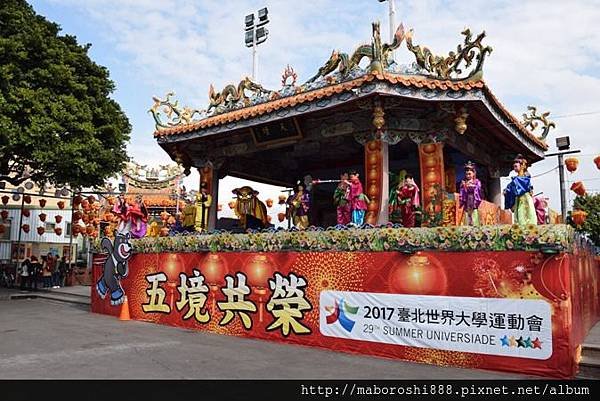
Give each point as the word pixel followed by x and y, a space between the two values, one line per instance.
pixel 520 342
pixel 528 343
pixel 537 343
pixel 505 341
pixel 512 341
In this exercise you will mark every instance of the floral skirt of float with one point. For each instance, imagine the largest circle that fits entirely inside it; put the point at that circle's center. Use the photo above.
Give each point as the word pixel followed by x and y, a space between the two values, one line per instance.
pixel 524 210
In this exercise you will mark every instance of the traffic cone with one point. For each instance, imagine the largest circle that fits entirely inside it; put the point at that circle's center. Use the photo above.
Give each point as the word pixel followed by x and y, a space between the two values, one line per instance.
pixel 125 310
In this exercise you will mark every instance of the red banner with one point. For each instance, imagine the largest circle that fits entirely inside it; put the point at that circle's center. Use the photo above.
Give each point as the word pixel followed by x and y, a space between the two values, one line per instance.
pixel 276 296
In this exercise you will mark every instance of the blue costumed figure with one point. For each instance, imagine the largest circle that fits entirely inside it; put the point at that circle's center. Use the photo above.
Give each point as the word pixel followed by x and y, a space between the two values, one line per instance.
pixel 517 195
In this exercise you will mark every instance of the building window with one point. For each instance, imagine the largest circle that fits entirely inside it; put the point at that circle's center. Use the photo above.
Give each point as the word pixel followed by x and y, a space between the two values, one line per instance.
pixel 68 230
pixel 5 235
pixel 50 227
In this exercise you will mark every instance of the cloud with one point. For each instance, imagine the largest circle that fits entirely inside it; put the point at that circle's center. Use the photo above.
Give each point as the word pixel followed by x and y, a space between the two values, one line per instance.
pixel 546 53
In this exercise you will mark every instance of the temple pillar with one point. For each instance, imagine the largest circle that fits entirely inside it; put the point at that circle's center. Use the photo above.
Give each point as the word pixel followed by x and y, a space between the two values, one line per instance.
pixel 377 171
pixel 495 191
pixel 431 161
pixel 377 186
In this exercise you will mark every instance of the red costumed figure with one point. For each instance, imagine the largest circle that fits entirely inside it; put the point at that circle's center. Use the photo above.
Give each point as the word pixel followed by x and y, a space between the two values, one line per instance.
pixel 408 199
pixel 138 216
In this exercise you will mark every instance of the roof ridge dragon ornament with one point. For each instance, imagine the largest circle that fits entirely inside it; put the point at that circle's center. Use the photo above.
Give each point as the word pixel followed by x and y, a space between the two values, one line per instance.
pixel 376 52
pixel 175 114
pixel 445 67
pixel 532 120
pixel 230 95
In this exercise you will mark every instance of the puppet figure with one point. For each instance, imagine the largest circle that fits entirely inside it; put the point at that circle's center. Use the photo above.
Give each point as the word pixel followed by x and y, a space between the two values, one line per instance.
pixel 341 200
pixel 298 206
pixel 249 209
pixel 408 199
pixel 517 195
pixel 470 196
pixel 203 202
pixel 358 200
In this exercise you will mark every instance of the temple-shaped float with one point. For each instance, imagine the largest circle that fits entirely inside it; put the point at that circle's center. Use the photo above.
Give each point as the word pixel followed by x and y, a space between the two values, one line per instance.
pixel 494 296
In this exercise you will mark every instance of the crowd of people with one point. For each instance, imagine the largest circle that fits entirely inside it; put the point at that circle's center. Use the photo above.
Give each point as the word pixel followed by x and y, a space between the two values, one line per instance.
pixel 47 272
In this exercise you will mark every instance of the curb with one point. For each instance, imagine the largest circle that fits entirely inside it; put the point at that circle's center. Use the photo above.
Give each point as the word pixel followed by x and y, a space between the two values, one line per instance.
pixel 51 297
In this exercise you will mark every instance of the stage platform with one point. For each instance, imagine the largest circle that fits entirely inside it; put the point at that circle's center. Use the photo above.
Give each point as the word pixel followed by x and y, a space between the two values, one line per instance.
pixel 507 298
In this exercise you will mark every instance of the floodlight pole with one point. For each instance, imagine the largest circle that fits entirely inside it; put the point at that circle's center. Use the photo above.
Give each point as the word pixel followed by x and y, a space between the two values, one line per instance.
pixel 561 174
pixel 254 57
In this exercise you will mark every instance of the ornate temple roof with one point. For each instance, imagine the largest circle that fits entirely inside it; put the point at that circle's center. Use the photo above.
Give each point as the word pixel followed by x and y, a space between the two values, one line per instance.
pixel 455 78
pixel 156 184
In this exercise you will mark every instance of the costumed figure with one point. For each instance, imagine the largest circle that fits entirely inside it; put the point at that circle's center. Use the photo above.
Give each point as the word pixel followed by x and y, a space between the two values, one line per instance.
pixel 138 217
pixel 395 215
pixel 249 209
pixel 358 200
pixel 341 200
pixel 121 210
pixel 189 217
pixel 298 206
pixel 408 199
pixel 470 196
pixel 541 204
pixel 517 195
pixel 114 268
pixel 203 202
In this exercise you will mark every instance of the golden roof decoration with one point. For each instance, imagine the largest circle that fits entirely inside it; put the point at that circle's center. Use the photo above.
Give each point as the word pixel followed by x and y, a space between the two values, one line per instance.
pixel 532 120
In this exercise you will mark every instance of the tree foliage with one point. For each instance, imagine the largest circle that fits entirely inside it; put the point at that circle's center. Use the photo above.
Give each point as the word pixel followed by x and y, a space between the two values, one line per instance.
pixel 591 205
pixel 57 121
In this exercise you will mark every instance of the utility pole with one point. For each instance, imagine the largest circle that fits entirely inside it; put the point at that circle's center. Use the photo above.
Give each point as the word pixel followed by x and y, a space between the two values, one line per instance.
pixel 255 35
pixel 563 143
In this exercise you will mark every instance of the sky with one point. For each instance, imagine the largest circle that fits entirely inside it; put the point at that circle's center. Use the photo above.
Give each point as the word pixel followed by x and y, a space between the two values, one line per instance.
pixel 546 53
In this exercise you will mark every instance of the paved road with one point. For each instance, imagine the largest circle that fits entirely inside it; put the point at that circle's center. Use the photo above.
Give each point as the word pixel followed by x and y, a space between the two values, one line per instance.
pixel 48 339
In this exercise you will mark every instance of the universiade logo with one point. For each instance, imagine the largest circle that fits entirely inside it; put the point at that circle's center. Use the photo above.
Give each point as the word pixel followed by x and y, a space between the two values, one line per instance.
pixel 340 313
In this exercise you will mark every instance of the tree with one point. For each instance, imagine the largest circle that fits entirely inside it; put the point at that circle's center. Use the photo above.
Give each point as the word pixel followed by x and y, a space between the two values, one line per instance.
pixel 591 205
pixel 58 124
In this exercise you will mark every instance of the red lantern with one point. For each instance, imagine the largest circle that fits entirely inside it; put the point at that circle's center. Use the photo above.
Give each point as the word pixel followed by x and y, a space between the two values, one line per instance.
pixel 269 218
pixel 214 269
pixel 420 274
pixel 41 230
pixel 578 188
pixel 26 212
pixel 571 163
pixel 76 229
pixel 219 207
pixel 579 217
pixel 5 199
pixel 77 215
pixel 281 217
pixel 4 214
pixel 77 201
pixel 42 217
pixel 27 199
pixel 111 200
pixel 58 218
pixel 231 204
pixel 42 202
pixel 269 202
pixel 58 231
pixel 91 199
pixel 259 269
pixel 85 204
pixel 61 204
pixel 597 161
pixel 89 229
pixel 164 232
pixel 26 228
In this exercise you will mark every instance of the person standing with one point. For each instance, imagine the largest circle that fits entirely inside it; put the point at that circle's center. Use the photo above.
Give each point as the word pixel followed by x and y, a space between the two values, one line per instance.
pixel 46 272
pixel 299 205
pixel 203 202
pixel 470 196
pixel 358 200
pixel 62 271
pixel 36 267
pixel 341 199
pixel 517 195
pixel 408 199
pixel 25 273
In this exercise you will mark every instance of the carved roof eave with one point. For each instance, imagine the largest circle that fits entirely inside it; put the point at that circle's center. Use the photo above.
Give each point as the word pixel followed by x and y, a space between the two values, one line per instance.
pixel 414 87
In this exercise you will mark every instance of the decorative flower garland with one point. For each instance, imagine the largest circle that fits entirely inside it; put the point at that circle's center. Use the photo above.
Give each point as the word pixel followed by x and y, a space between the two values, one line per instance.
pixel 559 238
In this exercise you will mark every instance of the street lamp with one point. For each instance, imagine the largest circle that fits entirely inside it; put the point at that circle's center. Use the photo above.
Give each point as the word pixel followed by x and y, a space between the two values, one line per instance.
pixel 563 143
pixel 392 22
pixel 255 34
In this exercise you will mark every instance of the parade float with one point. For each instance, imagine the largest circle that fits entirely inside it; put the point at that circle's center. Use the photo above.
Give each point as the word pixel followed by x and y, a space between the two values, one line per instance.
pixel 499 296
